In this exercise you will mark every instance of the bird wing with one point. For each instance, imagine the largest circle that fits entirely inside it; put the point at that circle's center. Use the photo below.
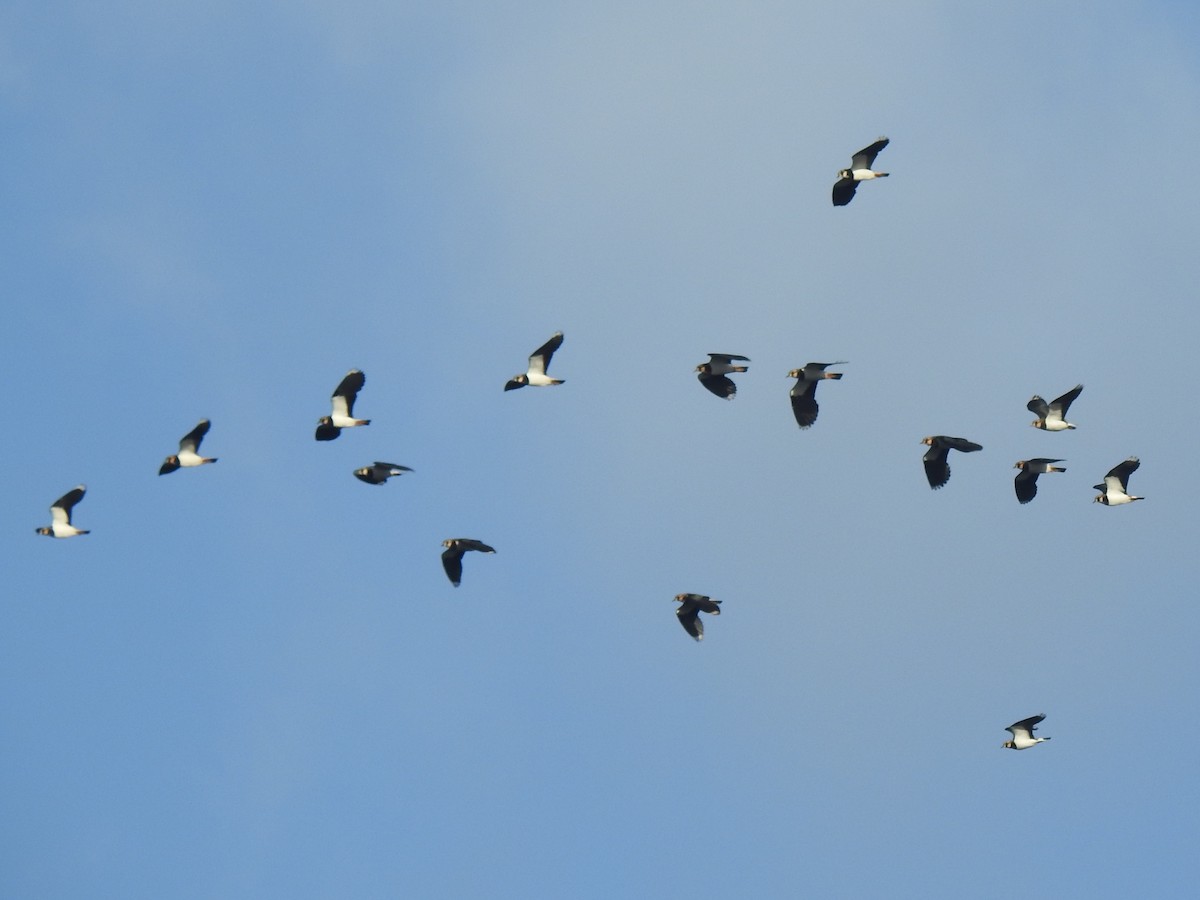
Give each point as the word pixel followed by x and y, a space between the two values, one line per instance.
pixel 452 563
pixel 720 385
pixel 689 618
pixel 937 469
pixel 1120 474
pixel 1026 726
pixel 1025 484
pixel 539 361
pixel 865 158
pixel 388 465
pixel 470 544
pixel 1038 407
pixel 843 191
pixel 804 403
pixel 1040 465
pixel 708 605
pixel 61 510
pixel 347 392
pixel 726 358
pixel 191 440
pixel 1060 405
pixel 327 432
pixel 961 444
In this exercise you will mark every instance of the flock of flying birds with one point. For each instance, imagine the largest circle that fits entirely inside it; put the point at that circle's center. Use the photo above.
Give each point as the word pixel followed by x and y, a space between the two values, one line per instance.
pixel 714 376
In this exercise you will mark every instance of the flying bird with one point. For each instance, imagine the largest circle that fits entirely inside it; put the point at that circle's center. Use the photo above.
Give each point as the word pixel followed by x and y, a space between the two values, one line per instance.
pixel 1116 484
pixel 860 170
pixel 539 362
pixel 60 515
pixel 330 427
pixel 1025 483
pixel 937 467
pixel 1052 416
pixel 689 612
pixel 453 554
pixel 1022 733
pixel 379 472
pixel 189 450
pixel 712 373
pixel 804 391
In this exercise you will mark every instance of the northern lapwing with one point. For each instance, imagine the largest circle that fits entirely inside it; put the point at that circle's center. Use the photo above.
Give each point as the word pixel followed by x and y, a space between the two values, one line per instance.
pixel 60 515
pixel 342 416
pixel 453 554
pixel 804 391
pixel 1025 483
pixel 860 170
pixel 712 373
pixel 1116 484
pixel 1052 416
pixel 379 472
pixel 189 451
pixel 539 362
pixel 689 612
pixel 1022 733
pixel 937 466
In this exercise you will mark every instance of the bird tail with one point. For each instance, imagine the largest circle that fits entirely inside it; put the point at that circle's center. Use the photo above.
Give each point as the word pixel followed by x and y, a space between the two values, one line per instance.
pixel 739 369
pixel 213 459
pixel 1056 469
pixel 363 422
pixel 833 375
pixel 84 531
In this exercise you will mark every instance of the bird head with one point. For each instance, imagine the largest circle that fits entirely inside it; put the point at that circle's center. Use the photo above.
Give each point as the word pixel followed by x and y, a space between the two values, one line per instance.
pixel 42 531
pixel 795 373
pixel 928 441
pixel 1008 745
pixel 844 173
pixel 1019 464
pixel 1101 498
pixel 1038 423
pixel 325 420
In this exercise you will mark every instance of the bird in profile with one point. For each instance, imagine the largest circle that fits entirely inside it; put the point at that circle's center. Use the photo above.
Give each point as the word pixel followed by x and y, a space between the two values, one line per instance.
pixel 937 467
pixel 379 472
pixel 804 391
pixel 342 416
pixel 452 556
pixel 689 612
pixel 60 515
pixel 539 362
pixel 860 170
pixel 1116 484
pixel 189 451
pixel 1051 416
pixel 1025 483
pixel 1022 733
pixel 712 373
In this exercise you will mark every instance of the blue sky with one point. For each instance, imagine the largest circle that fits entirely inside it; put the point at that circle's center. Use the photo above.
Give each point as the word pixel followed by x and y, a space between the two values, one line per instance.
pixel 254 680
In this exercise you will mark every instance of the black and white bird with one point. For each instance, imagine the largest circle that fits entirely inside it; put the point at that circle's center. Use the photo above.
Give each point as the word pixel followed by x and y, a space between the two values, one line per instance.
pixel 1025 483
pixel 937 466
pixel 1052 416
pixel 1116 484
pixel 452 556
pixel 712 373
pixel 342 416
pixel 804 391
pixel 689 612
pixel 60 515
pixel 539 362
pixel 1022 733
pixel 860 170
pixel 379 472
pixel 189 451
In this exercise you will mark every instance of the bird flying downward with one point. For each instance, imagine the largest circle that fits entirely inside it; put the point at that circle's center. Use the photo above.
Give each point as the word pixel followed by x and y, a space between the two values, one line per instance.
pixel 539 362
pixel 689 612
pixel 937 467
pixel 1116 484
pixel 379 472
pixel 189 451
pixel 453 554
pixel 342 416
pixel 804 391
pixel 860 170
pixel 1052 416
pixel 60 515
pixel 1025 483
pixel 712 373
pixel 1022 733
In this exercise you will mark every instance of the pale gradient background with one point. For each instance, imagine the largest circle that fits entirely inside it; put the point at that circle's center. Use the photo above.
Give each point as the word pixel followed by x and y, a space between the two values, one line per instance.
pixel 254 680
